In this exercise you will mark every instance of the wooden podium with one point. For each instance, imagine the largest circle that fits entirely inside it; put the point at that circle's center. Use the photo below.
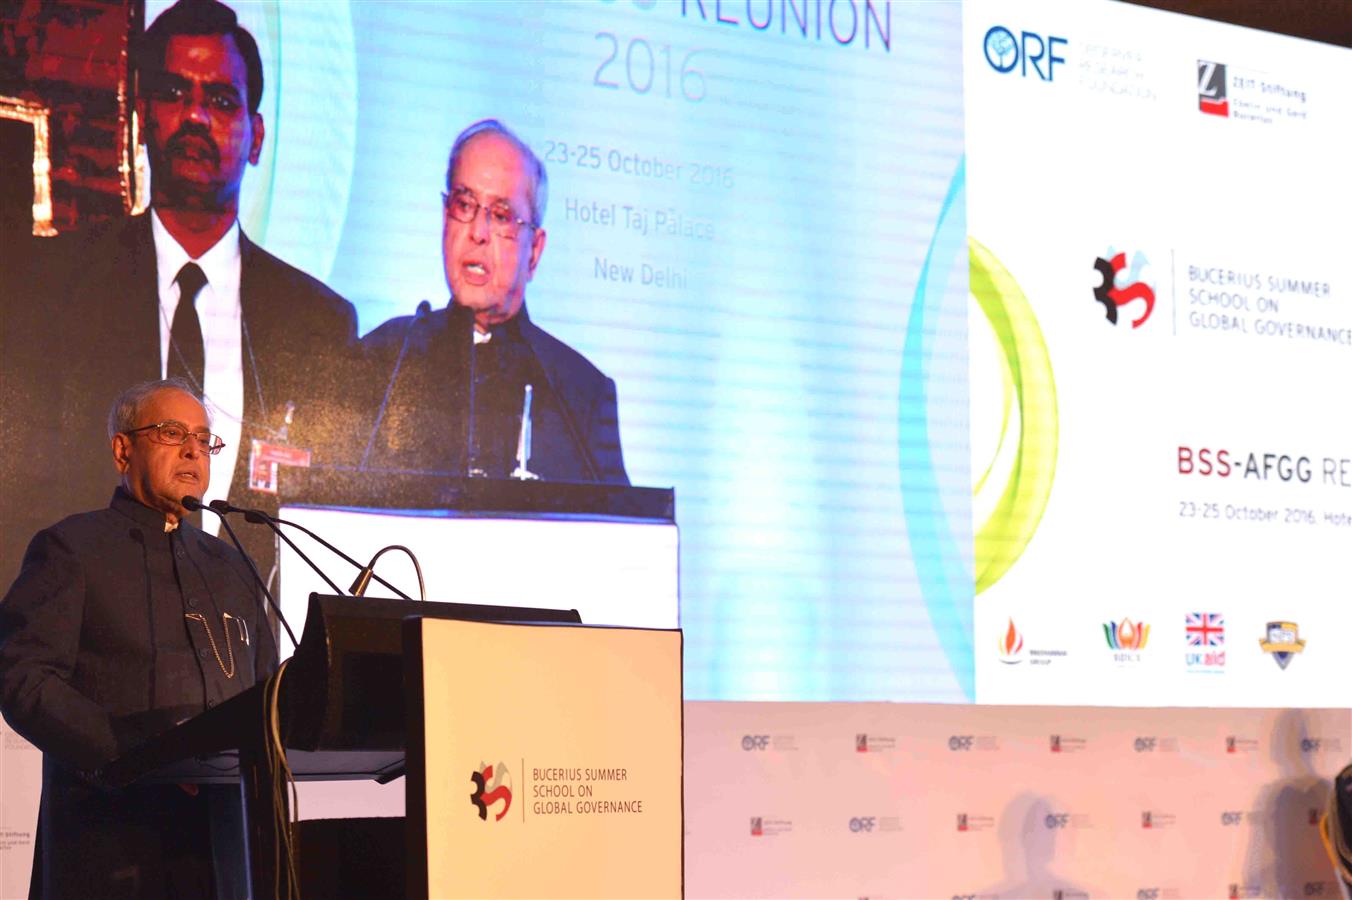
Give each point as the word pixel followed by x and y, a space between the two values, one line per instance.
pixel 347 707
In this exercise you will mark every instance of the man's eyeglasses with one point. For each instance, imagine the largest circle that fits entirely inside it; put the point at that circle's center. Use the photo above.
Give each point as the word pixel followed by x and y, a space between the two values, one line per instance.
pixel 176 434
pixel 463 207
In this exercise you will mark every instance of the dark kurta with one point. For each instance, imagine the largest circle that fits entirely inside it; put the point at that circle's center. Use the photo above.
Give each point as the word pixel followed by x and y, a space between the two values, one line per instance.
pixel 420 375
pixel 97 654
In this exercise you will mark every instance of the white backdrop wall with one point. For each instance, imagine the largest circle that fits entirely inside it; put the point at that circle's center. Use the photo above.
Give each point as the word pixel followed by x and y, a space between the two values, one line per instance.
pixel 908 800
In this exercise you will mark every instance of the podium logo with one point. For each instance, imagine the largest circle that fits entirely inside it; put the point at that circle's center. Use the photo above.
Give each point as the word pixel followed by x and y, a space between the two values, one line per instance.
pixel 491 784
pixel 1113 297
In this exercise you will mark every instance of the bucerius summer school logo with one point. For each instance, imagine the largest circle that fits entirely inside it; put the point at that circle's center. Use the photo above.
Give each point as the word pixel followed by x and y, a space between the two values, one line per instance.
pixel 491 784
pixel 1115 292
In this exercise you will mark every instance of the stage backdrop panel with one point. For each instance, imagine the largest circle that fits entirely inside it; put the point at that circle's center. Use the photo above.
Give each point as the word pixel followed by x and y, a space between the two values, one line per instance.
pixel 1161 335
pixel 929 800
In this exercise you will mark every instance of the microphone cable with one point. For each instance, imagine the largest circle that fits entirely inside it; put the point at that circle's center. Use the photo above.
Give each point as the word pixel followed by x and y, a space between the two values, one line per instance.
pixel 193 504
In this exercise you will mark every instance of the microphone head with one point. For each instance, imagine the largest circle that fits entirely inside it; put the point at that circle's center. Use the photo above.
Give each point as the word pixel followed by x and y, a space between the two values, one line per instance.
pixel 190 503
pixel 220 506
pixel 254 516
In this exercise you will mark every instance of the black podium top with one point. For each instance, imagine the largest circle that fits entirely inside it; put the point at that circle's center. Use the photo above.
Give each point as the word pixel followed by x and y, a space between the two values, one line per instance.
pixel 384 490
pixel 340 703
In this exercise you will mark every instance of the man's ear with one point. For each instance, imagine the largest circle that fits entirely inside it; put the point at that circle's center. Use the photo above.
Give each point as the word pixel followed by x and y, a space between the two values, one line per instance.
pixel 121 452
pixel 256 147
pixel 537 247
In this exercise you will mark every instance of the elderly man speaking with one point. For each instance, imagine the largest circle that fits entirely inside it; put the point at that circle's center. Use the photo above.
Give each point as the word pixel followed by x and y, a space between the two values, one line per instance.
pixel 122 622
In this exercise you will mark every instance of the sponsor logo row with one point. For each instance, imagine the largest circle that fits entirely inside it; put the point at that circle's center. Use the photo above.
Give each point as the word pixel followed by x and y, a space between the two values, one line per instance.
pixel 1104 65
pixel 1230 744
pixel 1060 820
pixel 1127 641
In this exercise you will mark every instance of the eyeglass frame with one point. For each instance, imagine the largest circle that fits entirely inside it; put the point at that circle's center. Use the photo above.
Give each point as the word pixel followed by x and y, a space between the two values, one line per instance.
pixel 517 221
pixel 210 449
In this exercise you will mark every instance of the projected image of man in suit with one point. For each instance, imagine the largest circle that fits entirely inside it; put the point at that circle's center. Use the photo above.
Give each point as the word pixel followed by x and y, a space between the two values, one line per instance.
pixel 181 291
pixel 199 108
pixel 450 384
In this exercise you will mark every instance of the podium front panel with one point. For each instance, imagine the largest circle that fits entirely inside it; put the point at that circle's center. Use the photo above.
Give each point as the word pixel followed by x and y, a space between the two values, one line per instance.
pixel 612 572
pixel 548 763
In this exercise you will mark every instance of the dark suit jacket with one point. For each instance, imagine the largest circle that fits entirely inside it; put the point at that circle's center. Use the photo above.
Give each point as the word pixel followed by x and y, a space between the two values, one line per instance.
pixel 93 330
pixel 419 376
pixel 97 654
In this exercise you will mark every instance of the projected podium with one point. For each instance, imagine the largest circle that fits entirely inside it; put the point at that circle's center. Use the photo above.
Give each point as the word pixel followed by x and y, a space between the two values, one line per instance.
pixel 374 676
pixel 609 551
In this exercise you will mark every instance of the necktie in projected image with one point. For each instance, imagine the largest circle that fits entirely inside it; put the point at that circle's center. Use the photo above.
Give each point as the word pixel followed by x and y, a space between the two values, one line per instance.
pixel 187 358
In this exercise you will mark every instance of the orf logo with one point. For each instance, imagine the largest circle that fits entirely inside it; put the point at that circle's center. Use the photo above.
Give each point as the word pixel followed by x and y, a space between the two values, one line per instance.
pixel 1005 53
pixel 1211 98
pixel 491 784
pixel 1112 296
pixel 1148 894
pixel 1232 817
pixel 960 742
pixel 863 823
pixel 1309 745
pixel 1057 820
pixel 755 741
pixel 1145 745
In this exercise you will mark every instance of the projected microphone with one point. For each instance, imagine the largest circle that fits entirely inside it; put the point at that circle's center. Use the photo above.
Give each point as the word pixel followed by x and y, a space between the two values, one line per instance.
pixel 472 469
pixel 424 308
pixel 258 517
pixel 593 471
pixel 523 442
pixel 193 504
pixel 221 507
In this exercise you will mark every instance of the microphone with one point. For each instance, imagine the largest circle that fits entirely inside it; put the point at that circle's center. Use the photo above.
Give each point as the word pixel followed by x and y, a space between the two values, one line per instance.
pixel 258 517
pixel 193 504
pixel 424 309
pixel 471 422
pixel 221 507
pixel 363 579
pixel 568 420
pixel 522 471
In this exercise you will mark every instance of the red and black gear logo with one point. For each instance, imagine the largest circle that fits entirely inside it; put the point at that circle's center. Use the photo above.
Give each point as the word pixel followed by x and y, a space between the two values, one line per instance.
pixel 489 788
pixel 1112 297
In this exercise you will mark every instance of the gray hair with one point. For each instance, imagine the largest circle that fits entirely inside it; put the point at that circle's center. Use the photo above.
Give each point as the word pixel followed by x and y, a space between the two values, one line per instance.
pixel 539 186
pixel 127 407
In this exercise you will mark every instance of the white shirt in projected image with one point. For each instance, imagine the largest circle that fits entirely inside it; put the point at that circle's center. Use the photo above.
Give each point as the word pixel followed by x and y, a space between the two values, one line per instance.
pixel 218 310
